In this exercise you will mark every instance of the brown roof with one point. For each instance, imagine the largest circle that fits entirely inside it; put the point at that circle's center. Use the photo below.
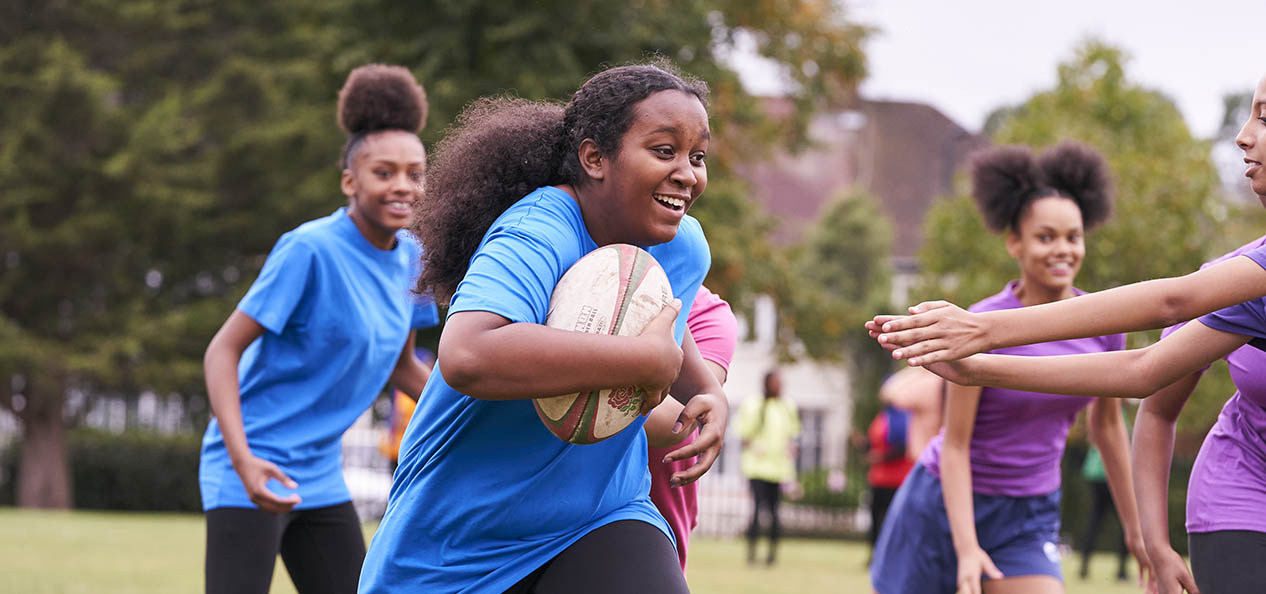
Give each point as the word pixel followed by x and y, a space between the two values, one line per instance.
pixel 904 154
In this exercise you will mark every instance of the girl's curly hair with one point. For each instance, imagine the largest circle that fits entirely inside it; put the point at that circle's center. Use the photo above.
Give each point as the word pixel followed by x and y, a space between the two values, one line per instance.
pixel 379 97
pixel 501 149
pixel 1006 180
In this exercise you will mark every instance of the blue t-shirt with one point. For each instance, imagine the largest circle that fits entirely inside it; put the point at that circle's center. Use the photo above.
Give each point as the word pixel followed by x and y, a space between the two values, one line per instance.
pixel 336 312
pixel 485 494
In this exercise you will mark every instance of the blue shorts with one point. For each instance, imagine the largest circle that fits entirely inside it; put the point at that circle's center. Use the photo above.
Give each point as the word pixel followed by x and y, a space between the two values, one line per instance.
pixel 915 551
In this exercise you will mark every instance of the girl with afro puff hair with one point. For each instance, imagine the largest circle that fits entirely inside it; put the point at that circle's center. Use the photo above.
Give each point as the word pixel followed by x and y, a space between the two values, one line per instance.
pixel 1227 298
pixel 984 497
pixel 486 499
pixel 327 323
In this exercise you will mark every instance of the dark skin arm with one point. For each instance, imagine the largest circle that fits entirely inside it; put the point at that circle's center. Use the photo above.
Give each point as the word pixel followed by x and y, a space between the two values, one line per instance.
pixel 487 357
pixel 705 406
pixel 410 374
pixel 220 367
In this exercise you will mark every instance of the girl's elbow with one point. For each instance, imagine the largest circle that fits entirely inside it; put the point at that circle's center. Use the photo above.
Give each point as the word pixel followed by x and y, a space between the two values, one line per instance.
pixel 460 370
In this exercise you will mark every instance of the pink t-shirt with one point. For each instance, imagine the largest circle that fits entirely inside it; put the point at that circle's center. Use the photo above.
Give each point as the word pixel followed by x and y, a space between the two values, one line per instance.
pixel 1019 437
pixel 715 331
pixel 1227 488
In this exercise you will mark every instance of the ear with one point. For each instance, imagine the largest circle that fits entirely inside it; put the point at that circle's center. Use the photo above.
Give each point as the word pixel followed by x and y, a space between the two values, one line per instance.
pixel 1013 244
pixel 348 183
pixel 591 159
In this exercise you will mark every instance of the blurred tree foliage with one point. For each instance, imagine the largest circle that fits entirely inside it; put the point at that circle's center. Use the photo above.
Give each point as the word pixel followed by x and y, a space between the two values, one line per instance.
pixel 1168 199
pixel 837 279
pixel 152 152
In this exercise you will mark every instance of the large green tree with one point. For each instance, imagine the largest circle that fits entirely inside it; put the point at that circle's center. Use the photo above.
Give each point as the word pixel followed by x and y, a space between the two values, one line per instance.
pixel 152 152
pixel 1168 199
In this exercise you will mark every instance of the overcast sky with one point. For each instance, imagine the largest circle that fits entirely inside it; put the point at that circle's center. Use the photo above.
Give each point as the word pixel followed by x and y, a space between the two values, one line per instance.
pixel 967 57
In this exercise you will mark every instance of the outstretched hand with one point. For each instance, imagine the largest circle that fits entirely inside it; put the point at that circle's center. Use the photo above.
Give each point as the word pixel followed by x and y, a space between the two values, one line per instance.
pixel 934 331
pixel 667 360
pixel 711 413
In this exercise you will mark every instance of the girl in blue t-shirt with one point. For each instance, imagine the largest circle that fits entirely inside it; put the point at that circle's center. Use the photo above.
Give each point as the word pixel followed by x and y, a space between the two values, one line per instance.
pixel 486 499
pixel 1229 297
pixel 328 322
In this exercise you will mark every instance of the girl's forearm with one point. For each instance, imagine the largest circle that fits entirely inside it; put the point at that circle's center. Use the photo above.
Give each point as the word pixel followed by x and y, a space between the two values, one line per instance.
pixel 1153 451
pixel 956 487
pixel 1109 435
pixel 523 360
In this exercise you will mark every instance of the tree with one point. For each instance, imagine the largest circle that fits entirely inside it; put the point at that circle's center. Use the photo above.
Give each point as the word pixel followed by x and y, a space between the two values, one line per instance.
pixel 1168 198
pixel 464 49
pixel 840 276
pixel 151 153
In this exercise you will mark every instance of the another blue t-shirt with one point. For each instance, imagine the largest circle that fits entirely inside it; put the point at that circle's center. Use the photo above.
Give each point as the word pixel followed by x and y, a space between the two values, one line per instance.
pixel 485 494
pixel 337 312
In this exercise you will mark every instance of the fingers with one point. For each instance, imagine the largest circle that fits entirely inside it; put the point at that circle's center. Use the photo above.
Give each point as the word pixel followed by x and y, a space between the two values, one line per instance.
pixel 273 471
pixel 1188 582
pixel 262 496
pixel 651 399
pixel 969 584
pixel 929 306
pixel 666 317
pixel 707 446
pixel 991 570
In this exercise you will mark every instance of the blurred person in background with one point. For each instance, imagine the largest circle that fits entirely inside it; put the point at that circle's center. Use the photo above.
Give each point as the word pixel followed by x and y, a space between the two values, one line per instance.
pixel 768 427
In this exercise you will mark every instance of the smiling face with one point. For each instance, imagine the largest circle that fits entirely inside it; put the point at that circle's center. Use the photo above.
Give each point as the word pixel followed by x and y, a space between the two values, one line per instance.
pixel 1049 247
pixel 1252 140
pixel 383 182
pixel 640 194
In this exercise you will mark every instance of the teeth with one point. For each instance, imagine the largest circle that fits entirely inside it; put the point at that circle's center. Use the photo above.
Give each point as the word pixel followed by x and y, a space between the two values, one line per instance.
pixel 670 201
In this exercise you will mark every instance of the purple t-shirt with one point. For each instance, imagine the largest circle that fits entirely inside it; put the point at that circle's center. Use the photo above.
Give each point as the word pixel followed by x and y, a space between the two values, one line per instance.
pixel 1019 437
pixel 1227 489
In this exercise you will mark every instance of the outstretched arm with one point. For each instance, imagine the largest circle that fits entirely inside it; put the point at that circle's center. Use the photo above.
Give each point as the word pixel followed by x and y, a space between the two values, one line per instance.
pixel 1132 373
pixel 941 332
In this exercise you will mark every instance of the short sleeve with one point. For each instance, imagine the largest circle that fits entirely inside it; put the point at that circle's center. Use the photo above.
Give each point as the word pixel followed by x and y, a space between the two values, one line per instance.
pixel 425 314
pixel 281 285
pixel 713 327
pixel 512 275
pixel 1257 255
pixel 1245 319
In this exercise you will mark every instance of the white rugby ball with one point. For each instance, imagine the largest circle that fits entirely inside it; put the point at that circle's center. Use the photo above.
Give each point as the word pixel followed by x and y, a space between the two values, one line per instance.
pixel 616 289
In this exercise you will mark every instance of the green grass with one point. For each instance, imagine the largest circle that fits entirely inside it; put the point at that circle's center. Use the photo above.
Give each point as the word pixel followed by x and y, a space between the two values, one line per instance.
pixel 85 552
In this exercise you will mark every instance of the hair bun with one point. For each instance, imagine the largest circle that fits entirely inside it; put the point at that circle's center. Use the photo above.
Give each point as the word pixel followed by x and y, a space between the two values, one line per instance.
pixel 1079 172
pixel 381 97
pixel 1003 181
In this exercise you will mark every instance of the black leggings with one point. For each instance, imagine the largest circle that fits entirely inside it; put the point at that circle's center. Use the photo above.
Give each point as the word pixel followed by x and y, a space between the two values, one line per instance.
pixel 765 496
pixel 624 557
pixel 880 501
pixel 323 549
pixel 1228 561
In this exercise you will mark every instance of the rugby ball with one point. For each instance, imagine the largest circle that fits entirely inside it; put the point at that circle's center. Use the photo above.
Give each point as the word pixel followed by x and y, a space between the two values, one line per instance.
pixel 616 290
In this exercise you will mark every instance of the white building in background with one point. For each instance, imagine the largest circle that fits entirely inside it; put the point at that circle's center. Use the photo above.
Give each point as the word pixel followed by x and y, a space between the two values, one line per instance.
pixel 822 394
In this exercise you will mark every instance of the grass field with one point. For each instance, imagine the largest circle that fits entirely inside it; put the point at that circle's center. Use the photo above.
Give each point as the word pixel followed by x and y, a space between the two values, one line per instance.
pixel 82 552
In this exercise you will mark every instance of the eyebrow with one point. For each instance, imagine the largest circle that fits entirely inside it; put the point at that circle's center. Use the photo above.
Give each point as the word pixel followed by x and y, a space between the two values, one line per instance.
pixel 394 163
pixel 707 134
